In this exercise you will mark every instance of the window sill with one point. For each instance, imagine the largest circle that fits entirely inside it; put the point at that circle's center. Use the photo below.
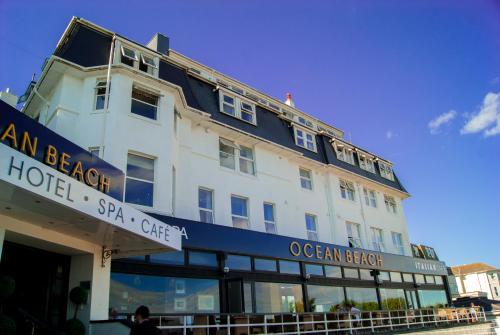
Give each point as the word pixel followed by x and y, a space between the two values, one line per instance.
pixel 315 150
pixel 238 173
pixel 142 118
pixel 238 118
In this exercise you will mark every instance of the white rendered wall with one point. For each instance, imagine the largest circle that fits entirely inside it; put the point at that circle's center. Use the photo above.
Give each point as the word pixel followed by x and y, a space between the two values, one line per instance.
pixel 194 152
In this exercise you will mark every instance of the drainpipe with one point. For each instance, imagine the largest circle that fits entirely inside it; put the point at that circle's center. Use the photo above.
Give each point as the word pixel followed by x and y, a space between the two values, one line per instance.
pixel 363 215
pixel 47 103
pixel 330 205
pixel 107 92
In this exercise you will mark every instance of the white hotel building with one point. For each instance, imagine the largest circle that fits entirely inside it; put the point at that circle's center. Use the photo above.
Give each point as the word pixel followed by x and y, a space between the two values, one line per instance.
pixel 278 212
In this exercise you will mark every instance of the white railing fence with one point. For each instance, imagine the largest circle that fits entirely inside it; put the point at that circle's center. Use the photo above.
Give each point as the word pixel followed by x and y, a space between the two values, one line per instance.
pixel 316 323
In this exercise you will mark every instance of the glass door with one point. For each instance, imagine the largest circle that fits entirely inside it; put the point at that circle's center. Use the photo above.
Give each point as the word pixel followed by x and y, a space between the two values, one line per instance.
pixel 411 299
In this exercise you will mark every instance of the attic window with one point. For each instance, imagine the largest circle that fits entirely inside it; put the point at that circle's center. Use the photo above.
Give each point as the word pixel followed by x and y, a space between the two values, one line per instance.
pixel 386 170
pixel 344 153
pixel 128 56
pixel 147 64
pixel 305 139
pixel 366 163
pixel 237 107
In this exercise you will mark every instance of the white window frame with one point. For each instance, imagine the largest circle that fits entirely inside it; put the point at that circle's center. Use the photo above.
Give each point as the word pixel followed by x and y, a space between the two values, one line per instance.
pixel 370 197
pixel 134 153
pixel 238 107
pixel 347 190
pixel 355 240
pixel 344 153
pixel 311 232
pixel 386 170
pixel 307 179
pixel 208 210
pixel 247 218
pixel 95 148
pixel 151 64
pixel 304 139
pixel 100 83
pixel 150 92
pixel 377 236
pixel 135 58
pixel 390 204
pixel 398 246
pixel 268 222
pixel 237 158
pixel 366 163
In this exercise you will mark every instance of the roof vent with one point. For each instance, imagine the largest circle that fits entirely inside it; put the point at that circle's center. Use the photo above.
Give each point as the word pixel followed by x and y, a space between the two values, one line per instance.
pixel 160 43
pixel 289 100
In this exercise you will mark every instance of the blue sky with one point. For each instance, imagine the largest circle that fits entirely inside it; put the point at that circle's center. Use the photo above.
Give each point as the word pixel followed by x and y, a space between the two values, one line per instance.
pixel 415 82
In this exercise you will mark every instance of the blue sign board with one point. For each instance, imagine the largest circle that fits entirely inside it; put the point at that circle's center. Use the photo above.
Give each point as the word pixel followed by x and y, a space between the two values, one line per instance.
pixel 22 133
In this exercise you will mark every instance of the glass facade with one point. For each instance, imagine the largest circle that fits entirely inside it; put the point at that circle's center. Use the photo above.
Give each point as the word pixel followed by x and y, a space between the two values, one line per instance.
pixel 163 294
pixel 333 271
pixel 203 258
pixel 264 264
pixel 289 267
pixel 432 298
pixel 172 258
pixel 278 297
pixel 314 269
pixel 392 299
pixel 324 298
pixel 236 262
pixel 362 298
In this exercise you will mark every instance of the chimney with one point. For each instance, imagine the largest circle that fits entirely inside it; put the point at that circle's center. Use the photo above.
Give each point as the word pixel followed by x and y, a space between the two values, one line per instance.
pixel 8 97
pixel 289 100
pixel 160 43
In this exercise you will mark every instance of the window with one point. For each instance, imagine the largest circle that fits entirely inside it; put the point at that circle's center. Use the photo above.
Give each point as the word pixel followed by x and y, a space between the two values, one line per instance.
pixel 385 170
pixel 407 277
pixel 237 107
pixel 333 271
pixel 289 267
pixel 366 163
pixel 239 212
pixel 206 205
pixel 370 198
pixel 163 294
pixel 344 153
pixel 305 178
pixel 144 103
pixel 377 239
pixel 430 280
pixel 384 275
pixel 203 258
pixel 325 298
pixel 95 151
pixel 314 269
pixel 311 227
pixel 364 299
pixel 228 151
pixel 269 218
pixel 347 190
pixel 173 258
pixel 419 279
pixel 397 241
pixel 246 160
pixel 129 57
pixel 353 235
pixel 305 139
pixel 351 273
pixel 278 298
pixel 395 277
pixel 390 204
pixel 139 183
pixel 147 64
pixel 236 262
pixel 392 299
pixel 431 298
pixel 264 264
pixel 100 95
pixel 365 274
pixel 439 280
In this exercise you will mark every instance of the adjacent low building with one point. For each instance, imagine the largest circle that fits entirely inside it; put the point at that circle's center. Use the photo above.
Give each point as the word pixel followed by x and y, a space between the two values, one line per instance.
pixel 277 211
pixel 477 280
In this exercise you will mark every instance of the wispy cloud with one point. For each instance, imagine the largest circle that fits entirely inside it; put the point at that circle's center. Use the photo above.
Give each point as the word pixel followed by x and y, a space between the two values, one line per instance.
pixel 487 119
pixel 495 80
pixel 389 134
pixel 435 124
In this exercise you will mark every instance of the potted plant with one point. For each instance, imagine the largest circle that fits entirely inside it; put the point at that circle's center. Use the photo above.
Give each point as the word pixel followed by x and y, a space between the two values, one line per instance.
pixel 7 288
pixel 78 296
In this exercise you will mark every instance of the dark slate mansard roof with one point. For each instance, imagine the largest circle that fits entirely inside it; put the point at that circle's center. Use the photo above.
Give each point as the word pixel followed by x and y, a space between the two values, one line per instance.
pixel 88 47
